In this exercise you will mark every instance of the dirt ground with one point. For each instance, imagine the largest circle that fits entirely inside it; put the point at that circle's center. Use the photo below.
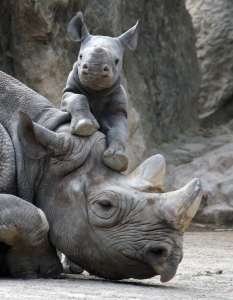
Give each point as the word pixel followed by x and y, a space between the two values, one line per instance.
pixel 206 254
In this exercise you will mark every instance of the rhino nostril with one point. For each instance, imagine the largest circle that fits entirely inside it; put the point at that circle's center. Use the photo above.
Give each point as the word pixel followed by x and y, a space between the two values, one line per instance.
pixel 106 69
pixel 85 66
pixel 156 255
pixel 158 252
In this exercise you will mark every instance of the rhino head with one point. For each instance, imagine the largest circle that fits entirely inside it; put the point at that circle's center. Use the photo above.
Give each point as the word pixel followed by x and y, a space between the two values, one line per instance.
pixel 113 226
pixel 136 228
pixel 100 56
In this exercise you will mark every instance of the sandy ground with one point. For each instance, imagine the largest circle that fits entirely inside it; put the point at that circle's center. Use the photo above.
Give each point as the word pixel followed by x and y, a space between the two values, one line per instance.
pixel 205 254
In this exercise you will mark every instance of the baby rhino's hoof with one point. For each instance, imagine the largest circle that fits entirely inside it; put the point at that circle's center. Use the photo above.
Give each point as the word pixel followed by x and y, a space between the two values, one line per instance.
pixel 116 160
pixel 85 127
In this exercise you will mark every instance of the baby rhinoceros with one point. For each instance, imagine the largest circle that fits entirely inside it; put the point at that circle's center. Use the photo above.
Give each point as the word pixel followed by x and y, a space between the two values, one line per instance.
pixel 94 95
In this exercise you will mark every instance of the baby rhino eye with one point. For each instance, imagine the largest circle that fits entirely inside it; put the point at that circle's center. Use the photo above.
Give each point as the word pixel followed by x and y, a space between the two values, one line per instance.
pixel 117 61
pixel 106 204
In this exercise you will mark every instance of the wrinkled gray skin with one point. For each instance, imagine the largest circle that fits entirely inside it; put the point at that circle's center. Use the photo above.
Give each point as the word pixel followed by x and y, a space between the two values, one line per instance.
pixel 57 193
pixel 94 95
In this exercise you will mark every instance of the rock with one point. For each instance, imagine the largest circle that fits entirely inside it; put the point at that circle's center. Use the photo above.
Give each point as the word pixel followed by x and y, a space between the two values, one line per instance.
pixel 193 147
pixel 215 170
pixel 162 74
pixel 37 42
pixel 161 77
pixel 180 151
pixel 213 23
pixel 135 144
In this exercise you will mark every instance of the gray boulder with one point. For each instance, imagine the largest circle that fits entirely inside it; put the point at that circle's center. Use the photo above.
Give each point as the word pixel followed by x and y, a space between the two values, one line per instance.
pixel 213 24
pixel 161 77
pixel 215 169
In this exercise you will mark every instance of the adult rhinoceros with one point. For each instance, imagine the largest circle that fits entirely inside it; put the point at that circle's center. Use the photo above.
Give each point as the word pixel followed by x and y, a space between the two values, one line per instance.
pixel 57 193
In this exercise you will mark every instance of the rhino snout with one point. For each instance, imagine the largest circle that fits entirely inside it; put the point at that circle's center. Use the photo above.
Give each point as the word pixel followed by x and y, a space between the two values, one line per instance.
pixel 161 259
pixel 96 70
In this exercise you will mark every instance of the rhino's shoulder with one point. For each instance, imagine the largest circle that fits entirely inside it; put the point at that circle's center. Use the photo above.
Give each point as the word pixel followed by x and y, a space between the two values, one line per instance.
pixel 14 95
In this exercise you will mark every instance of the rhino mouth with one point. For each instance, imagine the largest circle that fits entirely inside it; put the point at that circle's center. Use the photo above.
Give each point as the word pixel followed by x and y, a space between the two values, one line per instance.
pixel 165 271
pixel 128 268
pixel 94 74
pixel 146 269
pixel 153 263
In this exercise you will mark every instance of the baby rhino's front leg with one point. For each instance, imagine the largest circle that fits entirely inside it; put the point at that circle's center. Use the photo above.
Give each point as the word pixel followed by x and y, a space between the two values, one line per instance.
pixel 115 128
pixel 82 120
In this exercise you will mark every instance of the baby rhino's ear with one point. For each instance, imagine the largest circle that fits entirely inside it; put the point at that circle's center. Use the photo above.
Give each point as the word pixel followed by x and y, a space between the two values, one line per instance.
pixel 130 37
pixel 77 30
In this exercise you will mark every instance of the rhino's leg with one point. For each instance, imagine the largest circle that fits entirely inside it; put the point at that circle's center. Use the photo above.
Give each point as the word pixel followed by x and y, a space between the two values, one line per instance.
pixel 115 128
pixel 82 120
pixel 24 228
pixel 70 268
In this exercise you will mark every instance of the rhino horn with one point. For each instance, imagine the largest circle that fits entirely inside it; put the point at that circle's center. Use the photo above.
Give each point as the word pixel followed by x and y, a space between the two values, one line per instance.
pixel 179 207
pixel 77 29
pixel 37 140
pixel 130 37
pixel 149 176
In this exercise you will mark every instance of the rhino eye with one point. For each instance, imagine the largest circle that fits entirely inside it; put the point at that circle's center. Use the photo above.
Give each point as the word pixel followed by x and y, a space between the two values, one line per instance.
pixel 117 61
pixel 105 208
pixel 105 204
pixel 80 56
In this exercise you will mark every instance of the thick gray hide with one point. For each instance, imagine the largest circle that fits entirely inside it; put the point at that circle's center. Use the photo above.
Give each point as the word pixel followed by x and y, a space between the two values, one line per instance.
pixel 111 225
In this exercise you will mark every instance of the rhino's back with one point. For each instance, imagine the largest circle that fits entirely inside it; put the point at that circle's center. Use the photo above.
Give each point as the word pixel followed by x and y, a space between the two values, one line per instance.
pixel 14 95
pixel 7 164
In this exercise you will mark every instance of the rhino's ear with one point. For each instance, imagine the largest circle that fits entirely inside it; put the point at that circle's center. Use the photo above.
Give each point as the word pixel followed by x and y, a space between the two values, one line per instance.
pixel 38 141
pixel 149 176
pixel 130 37
pixel 77 29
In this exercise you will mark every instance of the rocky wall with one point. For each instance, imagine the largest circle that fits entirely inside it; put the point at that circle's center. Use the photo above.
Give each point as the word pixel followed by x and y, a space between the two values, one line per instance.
pixel 161 77
pixel 213 23
pixel 215 170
